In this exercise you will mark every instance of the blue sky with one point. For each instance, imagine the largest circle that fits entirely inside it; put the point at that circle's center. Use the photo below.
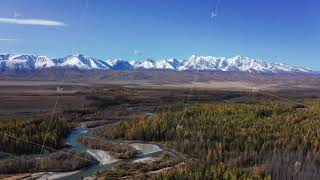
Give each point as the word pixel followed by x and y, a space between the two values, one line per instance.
pixel 276 30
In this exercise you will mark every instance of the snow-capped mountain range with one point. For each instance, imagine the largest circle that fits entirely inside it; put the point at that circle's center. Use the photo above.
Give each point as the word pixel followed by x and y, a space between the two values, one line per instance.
pixel 210 63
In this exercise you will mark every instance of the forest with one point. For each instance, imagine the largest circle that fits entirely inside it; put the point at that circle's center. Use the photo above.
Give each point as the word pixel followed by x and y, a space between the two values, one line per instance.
pixel 20 147
pixel 207 135
pixel 247 140
pixel 62 160
pixel 16 134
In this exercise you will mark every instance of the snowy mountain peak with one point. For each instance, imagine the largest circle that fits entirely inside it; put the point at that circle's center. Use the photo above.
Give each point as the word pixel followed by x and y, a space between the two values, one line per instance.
pixel 119 64
pixel 145 64
pixel 82 62
pixel 193 56
pixel 195 62
pixel 78 55
pixel 238 63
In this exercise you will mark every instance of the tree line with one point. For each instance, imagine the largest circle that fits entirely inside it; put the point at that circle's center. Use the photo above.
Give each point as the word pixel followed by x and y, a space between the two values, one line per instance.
pixel 243 137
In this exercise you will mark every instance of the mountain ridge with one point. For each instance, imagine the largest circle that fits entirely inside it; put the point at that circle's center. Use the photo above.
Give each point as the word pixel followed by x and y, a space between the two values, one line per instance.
pixel 198 63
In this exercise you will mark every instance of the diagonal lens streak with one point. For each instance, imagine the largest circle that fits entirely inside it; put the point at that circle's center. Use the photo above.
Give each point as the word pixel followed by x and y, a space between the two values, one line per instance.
pixel 215 13
pixel 46 147
pixel 59 94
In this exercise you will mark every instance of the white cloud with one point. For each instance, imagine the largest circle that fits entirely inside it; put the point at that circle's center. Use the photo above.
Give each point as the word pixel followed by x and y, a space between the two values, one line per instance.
pixel 7 39
pixel 137 52
pixel 39 22
pixel 16 14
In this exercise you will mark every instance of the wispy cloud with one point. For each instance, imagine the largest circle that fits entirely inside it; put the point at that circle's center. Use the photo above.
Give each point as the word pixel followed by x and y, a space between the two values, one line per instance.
pixel 16 14
pixel 7 39
pixel 37 22
pixel 137 52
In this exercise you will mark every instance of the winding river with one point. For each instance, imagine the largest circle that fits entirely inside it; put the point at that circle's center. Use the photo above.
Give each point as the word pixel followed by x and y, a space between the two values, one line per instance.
pixel 146 152
pixel 72 141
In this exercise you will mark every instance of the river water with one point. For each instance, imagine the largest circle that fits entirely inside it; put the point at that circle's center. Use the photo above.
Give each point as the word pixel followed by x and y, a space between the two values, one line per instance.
pixel 145 149
pixel 72 141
